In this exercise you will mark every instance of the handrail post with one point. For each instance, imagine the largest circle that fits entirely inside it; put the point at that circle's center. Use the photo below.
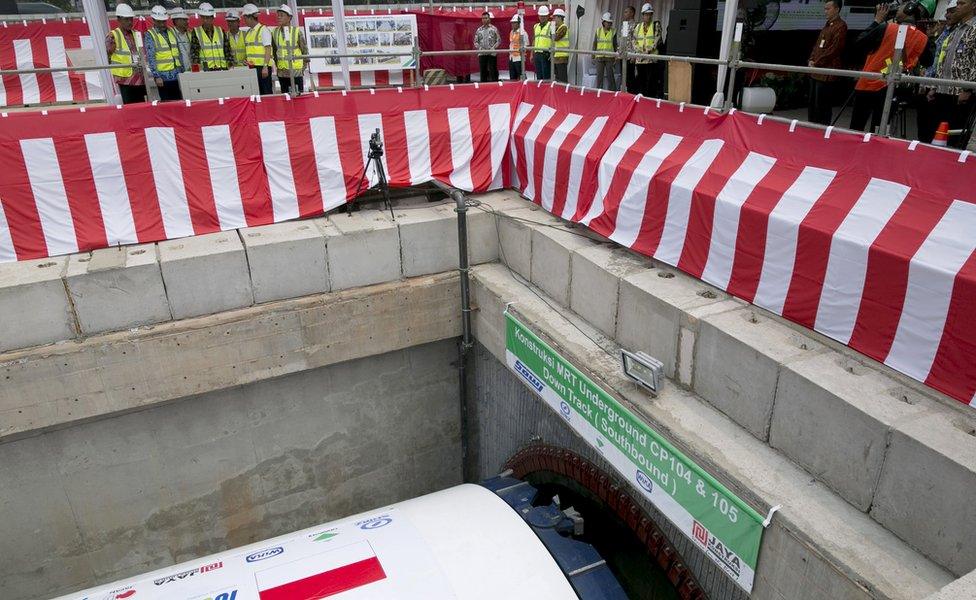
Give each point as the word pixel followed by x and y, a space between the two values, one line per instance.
pixel 291 70
pixel 734 56
pixel 891 80
pixel 416 58
pixel 623 64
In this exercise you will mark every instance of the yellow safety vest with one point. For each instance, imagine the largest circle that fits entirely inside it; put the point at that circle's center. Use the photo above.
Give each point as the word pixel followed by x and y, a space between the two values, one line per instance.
pixel 942 53
pixel 644 39
pixel 541 38
pixel 562 43
pixel 122 54
pixel 604 40
pixel 515 44
pixel 237 47
pixel 167 51
pixel 211 49
pixel 288 46
pixel 254 48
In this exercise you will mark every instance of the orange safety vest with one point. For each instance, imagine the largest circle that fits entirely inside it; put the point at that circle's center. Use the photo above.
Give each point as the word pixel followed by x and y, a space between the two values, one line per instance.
pixel 879 61
pixel 514 43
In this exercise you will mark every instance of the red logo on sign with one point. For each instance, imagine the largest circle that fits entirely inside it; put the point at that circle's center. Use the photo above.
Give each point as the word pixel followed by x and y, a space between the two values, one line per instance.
pixel 700 533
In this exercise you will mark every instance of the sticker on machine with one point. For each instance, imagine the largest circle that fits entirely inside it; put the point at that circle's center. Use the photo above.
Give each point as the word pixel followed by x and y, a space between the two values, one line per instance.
pixel 322 575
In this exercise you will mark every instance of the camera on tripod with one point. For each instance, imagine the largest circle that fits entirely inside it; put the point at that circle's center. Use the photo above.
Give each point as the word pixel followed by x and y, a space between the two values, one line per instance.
pixel 375 145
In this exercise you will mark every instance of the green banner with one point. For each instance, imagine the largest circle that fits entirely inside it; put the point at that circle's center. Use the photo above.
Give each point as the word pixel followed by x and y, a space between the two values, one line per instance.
pixel 726 528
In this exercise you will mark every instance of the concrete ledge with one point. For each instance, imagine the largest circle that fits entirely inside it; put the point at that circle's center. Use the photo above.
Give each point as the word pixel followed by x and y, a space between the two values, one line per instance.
pixel 515 233
pixel 552 259
pixel 34 306
pixel 366 252
pixel 428 239
pixel 964 587
pixel 117 288
pixel 288 260
pixel 926 490
pixel 55 385
pixel 205 274
pixel 595 282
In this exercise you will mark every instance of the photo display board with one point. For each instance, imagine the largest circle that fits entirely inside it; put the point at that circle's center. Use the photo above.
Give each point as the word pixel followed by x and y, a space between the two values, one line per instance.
pixel 365 34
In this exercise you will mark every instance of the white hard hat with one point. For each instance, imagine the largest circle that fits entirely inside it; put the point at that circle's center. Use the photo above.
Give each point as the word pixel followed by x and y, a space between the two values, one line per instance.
pixel 543 11
pixel 952 4
pixel 606 17
pixel 159 13
pixel 232 16
pixel 285 9
pixel 250 9
pixel 647 8
pixel 179 13
pixel 559 13
pixel 123 10
pixel 515 18
pixel 205 9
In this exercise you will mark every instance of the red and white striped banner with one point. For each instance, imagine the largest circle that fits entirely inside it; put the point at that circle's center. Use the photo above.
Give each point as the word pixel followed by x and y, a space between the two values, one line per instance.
pixel 869 241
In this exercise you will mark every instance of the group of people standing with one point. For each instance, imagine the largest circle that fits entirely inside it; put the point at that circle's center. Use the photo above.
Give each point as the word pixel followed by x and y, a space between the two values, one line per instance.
pixel 163 52
pixel 644 75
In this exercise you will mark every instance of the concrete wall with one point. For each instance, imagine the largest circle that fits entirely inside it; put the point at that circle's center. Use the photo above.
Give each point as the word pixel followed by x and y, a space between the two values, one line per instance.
pixel 107 499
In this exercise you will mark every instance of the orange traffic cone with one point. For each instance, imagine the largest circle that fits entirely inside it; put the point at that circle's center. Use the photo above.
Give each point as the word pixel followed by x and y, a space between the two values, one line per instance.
pixel 941 135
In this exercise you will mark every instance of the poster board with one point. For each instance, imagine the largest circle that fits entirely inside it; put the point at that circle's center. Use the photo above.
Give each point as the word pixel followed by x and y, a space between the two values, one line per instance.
pixel 365 34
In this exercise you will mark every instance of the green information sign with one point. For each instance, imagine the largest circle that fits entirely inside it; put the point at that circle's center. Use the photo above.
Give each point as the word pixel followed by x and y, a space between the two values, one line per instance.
pixel 726 528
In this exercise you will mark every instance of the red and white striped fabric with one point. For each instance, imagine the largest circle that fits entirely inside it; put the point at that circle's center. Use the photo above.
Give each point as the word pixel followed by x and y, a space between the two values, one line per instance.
pixel 365 79
pixel 870 242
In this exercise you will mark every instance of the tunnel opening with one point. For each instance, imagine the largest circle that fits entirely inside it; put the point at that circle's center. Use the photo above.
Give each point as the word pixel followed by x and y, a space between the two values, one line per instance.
pixel 635 549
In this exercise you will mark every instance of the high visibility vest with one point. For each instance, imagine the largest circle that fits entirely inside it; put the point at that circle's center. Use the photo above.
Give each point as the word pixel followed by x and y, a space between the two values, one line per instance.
pixel 541 38
pixel 604 40
pixel 122 54
pixel 254 47
pixel 211 49
pixel 879 61
pixel 562 43
pixel 167 51
pixel 237 47
pixel 287 44
pixel 644 42
pixel 943 47
pixel 515 44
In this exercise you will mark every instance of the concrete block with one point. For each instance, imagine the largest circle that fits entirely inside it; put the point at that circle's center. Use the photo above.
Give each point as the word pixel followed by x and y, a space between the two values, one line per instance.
pixel 651 307
pixel 595 282
pixel 288 260
pixel 428 239
pixel 738 357
pixel 831 416
pixel 366 252
pixel 515 235
pixel 483 234
pixel 552 253
pixel 34 307
pixel 964 587
pixel 205 274
pixel 117 288
pixel 925 495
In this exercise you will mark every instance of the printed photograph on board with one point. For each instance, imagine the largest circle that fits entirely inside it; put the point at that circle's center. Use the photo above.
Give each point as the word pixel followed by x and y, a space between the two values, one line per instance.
pixel 370 36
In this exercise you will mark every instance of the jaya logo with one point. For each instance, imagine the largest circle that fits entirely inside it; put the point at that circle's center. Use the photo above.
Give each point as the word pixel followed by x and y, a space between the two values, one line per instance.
pixel 565 410
pixel 375 522
pixel 644 481
pixel 190 573
pixel 528 376
pixel 263 554
pixel 725 557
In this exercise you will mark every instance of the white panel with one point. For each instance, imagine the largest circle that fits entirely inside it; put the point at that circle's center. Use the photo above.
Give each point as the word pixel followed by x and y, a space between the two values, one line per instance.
pixel 368 124
pixel 462 150
pixel 847 265
pixel 7 251
pixel 576 162
pixel 28 82
pixel 781 234
pixel 499 118
pixel 113 195
pixel 418 145
pixel 325 143
pixel 548 191
pixel 58 58
pixel 165 161
pixel 50 197
pixel 630 213
pixel 92 82
pixel 725 220
pixel 223 176
pixel 367 78
pixel 931 276
pixel 277 162
pixel 541 119
pixel 523 111
pixel 608 168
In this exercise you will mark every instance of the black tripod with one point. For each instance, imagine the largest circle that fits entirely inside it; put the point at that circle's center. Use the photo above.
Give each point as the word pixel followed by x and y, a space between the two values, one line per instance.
pixel 374 157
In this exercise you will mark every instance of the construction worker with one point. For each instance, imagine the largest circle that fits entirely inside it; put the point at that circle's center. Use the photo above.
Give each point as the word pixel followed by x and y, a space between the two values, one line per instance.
pixel 645 42
pixel 163 56
pixel 181 29
pixel 257 46
pixel 289 43
pixel 487 39
pixel 605 40
pixel 517 39
pixel 542 42
pixel 936 101
pixel 235 39
pixel 209 46
pixel 560 41
pixel 124 47
pixel 879 40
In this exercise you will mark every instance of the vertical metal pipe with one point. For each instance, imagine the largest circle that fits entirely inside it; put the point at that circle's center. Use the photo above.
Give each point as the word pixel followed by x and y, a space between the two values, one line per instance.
pixel 733 65
pixel 623 64
pixel 418 74
pixel 894 72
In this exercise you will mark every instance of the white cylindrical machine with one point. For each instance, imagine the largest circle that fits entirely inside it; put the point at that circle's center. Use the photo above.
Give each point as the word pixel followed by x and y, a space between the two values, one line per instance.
pixel 464 543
